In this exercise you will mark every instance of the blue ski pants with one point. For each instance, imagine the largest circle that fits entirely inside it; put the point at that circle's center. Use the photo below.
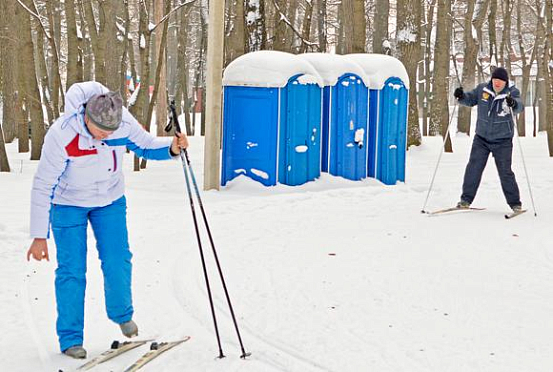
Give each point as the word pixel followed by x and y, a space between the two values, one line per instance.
pixel 502 152
pixel 69 225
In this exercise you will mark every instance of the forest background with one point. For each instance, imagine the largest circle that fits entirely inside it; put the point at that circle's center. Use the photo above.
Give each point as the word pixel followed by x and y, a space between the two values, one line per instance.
pixel 46 46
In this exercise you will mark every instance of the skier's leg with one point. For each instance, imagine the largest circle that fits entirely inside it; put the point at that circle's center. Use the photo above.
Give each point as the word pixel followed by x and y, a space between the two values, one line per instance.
pixel 479 154
pixel 503 155
pixel 110 229
pixel 69 227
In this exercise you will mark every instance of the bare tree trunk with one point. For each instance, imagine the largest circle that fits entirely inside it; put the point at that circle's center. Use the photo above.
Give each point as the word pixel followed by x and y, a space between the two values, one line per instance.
pixel 306 33
pixel 408 44
pixel 469 67
pixel 73 73
pixel 56 84
pixel 380 33
pixel 160 65
pixel 347 26
pixel 480 10
pixel 161 82
pixel 543 74
pixel 549 15
pixel 439 114
pixel 86 52
pixel 255 25
pixel 6 47
pixel 4 163
pixel 181 89
pixel 526 68
pixel 108 43
pixel 427 62
pixel 139 109
pixel 199 78
pixel 43 73
pixel 9 69
pixel 359 26
pixel 548 72
pixel 125 57
pixel 321 23
pixel 235 41
pixel 32 99
pixel 492 21
pixel 505 50
pixel 285 11
pixel 97 49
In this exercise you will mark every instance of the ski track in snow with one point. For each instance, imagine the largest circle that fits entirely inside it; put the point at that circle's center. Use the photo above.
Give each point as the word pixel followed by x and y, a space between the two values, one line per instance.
pixel 330 276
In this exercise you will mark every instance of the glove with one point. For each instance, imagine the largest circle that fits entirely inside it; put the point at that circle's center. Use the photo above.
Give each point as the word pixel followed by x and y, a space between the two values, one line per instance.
pixel 458 93
pixel 510 101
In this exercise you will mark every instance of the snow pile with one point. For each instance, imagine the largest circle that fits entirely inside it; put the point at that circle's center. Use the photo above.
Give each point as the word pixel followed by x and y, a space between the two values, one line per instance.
pixel 333 66
pixel 269 69
pixel 380 67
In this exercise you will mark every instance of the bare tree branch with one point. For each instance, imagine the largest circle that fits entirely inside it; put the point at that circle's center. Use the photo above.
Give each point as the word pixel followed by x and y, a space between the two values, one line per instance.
pixel 166 17
pixel 298 34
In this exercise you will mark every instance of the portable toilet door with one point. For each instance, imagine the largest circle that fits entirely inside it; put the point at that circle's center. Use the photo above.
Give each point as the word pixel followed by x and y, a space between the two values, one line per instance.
pixel 249 134
pixel 300 132
pixel 348 133
pixel 392 132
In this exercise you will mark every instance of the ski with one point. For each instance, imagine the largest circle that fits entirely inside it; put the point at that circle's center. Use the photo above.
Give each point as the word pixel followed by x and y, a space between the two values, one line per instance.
pixel 514 214
pixel 156 349
pixel 453 209
pixel 117 348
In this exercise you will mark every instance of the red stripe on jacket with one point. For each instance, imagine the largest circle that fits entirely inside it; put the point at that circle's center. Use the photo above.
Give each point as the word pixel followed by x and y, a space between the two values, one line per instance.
pixel 73 149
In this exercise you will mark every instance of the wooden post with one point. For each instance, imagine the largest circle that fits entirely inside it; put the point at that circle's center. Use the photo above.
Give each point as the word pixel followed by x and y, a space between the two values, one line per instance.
pixel 214 81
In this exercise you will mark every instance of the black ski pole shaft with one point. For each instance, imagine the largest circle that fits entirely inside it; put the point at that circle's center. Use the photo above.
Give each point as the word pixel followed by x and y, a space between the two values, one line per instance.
pixel 219 269
pixel 202 209
pixel 194 218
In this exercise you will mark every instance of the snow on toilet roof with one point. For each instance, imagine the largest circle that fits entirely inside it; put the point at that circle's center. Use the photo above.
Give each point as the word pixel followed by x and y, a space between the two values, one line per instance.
pixel 332 66
pixel 380 67
pixel 269 69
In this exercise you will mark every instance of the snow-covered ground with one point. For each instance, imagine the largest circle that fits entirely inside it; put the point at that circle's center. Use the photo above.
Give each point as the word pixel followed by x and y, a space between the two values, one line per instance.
pixel 330 276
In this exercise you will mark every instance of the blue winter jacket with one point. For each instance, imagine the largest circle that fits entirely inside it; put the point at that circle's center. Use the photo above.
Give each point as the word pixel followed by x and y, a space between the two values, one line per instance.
pixel 76 169
pixel 494 120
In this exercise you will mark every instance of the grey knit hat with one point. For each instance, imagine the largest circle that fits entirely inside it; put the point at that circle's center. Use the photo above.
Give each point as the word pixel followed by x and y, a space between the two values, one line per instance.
pixel 105 110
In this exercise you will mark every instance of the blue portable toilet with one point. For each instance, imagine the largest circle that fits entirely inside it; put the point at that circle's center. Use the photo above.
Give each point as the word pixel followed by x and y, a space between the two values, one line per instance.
pixel 345 115
pixel 271 119
pixel 389 101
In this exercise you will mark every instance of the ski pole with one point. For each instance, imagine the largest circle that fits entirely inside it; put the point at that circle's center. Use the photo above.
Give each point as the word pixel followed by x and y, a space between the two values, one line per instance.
pixel 523 162
pixel 183 155
pixel 202 209
pixel 439 158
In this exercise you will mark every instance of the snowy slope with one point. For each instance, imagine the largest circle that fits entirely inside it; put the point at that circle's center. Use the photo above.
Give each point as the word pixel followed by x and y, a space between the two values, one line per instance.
pixel 330 276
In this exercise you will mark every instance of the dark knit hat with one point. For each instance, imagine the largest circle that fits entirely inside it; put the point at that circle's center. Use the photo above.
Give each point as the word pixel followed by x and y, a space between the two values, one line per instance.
pixel 500 73
pixel 105 110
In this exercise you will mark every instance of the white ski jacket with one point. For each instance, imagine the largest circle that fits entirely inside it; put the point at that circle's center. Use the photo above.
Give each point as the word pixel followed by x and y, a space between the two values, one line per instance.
pixel 76 169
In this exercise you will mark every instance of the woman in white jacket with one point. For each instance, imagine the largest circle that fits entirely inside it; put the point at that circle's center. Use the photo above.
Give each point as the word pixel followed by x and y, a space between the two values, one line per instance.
pixel 79 179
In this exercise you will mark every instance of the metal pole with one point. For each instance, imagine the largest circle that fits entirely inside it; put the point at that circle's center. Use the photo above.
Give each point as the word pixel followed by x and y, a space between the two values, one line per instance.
pixel 214 81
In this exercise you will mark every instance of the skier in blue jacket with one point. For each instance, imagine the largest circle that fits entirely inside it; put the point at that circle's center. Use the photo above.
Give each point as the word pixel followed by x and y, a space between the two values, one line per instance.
pixel 79 180
pixel 497 102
